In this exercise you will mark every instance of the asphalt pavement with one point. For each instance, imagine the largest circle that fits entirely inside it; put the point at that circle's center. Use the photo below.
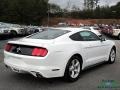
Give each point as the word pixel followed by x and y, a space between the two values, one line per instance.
pixel 101 77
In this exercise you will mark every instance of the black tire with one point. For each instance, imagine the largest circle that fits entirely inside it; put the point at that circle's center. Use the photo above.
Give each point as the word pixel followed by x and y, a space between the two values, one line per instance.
pixel 13 33
pixel 119 36
pixel 112 56
pixel 67 75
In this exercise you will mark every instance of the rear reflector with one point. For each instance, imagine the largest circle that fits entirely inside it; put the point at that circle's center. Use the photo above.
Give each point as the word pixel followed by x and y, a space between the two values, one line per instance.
pixel 8 47
pixel 42 52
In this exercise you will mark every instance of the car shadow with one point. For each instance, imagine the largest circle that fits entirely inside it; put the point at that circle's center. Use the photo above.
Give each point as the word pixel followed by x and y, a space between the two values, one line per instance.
pixel 35 80
pixel 94 68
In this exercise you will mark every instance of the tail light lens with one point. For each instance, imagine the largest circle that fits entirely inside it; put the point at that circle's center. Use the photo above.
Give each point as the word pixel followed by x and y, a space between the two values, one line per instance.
pixel 42 52
pixel 8 47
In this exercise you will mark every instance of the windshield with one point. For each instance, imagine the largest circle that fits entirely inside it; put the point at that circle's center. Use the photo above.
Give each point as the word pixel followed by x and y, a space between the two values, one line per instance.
pixel 48 34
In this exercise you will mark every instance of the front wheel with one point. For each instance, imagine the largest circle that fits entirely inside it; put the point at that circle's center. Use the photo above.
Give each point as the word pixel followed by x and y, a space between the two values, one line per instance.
pixel 112 56
pixel 73 69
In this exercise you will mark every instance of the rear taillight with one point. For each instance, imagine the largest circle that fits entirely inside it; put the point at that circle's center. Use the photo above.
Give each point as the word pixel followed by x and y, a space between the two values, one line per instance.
pixel 42 52
pixel 8 47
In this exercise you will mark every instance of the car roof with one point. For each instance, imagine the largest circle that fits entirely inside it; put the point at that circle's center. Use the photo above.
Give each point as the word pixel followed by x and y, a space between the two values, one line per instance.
pixel 71 29
pixel 90 26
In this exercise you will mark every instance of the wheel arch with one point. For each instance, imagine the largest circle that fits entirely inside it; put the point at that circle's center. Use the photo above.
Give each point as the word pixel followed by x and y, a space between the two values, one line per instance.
pixel 67 65
pixel 13 31
pixel 78 55
pixel 114 47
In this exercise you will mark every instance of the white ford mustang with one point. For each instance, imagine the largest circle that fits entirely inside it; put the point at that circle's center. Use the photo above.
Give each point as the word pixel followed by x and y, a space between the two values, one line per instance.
pixel 58 52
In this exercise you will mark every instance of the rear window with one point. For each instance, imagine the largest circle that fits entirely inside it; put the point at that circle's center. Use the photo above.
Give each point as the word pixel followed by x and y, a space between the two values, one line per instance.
pixel 48 34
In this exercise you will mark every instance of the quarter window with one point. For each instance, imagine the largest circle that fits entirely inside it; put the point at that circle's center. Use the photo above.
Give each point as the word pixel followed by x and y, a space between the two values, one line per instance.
pixel 89 36
pixel 84 36
pixel 76 37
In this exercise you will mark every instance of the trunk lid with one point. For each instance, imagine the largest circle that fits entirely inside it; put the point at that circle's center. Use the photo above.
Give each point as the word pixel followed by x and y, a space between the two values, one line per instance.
pixel 33 42
pixel 26 46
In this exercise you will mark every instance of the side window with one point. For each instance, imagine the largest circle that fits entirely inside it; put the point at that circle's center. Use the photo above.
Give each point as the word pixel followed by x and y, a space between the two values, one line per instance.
pixel 76 37
pixel 88 36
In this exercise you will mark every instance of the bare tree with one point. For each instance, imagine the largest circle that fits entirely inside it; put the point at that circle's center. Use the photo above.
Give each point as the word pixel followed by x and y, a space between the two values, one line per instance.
pixel 91 4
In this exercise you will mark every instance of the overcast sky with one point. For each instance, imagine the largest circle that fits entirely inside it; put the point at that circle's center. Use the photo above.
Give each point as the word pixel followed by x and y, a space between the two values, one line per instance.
pixel 79 3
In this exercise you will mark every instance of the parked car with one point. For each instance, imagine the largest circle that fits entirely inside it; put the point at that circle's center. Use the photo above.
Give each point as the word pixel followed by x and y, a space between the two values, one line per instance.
pixel 14 29
pixel 112 31
pixel 94 29
pixel 33 29
pixel 17 31
pixel 58 52
pixel 116 31
pixel 38 29
pixel 4 30
pixel 107 30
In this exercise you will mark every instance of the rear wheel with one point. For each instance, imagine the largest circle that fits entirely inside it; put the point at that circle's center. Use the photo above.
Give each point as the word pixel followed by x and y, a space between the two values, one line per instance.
pixel 73 69
pixel 112 56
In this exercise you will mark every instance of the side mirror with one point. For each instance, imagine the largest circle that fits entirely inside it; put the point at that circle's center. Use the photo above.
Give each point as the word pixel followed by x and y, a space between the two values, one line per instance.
pixel 102 38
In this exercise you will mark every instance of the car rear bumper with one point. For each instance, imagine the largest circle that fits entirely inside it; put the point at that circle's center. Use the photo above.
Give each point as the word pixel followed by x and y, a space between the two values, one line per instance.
pixel 37 71
pixel 35 66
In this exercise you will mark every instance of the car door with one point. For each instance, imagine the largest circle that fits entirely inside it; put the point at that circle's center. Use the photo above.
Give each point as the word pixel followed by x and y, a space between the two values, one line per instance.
pixel 94 48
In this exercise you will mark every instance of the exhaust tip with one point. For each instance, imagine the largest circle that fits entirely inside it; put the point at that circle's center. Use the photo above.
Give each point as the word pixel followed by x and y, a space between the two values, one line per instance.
pixel 36 74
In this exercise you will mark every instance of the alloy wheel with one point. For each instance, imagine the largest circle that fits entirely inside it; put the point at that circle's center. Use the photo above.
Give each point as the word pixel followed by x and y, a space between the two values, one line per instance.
pixel 74 68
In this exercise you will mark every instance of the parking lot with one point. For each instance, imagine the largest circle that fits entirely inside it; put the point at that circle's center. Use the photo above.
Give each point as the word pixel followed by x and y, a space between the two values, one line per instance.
pixel 90 79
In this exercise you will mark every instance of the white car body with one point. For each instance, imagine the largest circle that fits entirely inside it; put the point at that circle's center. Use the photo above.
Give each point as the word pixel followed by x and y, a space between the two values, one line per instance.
pixel 60 50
